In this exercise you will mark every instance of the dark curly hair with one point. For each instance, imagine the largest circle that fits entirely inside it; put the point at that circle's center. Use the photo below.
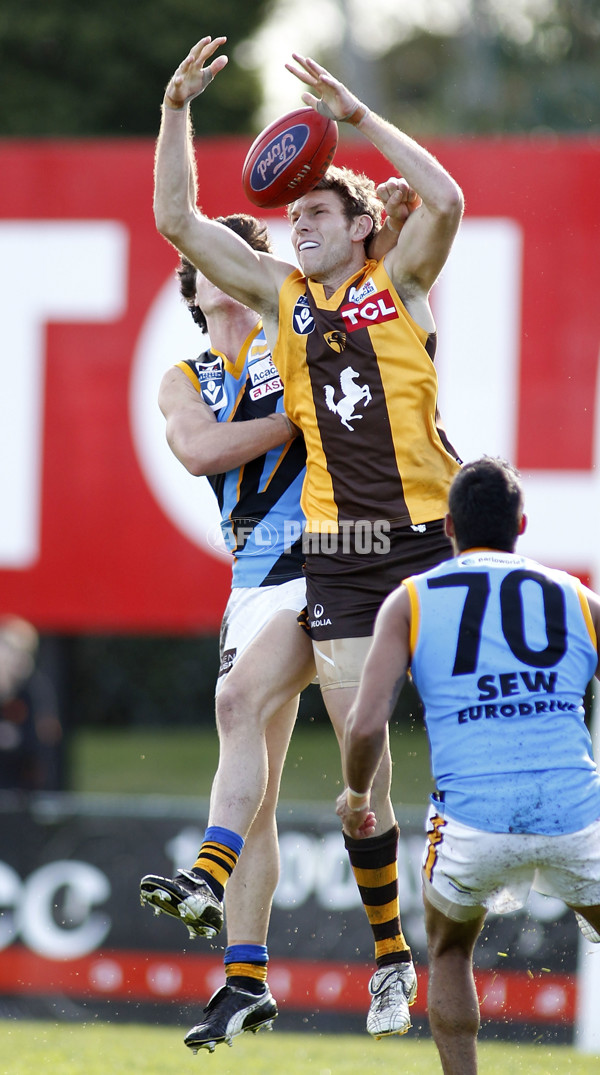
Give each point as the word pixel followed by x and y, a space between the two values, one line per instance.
pixel 486 504
pixel 253 231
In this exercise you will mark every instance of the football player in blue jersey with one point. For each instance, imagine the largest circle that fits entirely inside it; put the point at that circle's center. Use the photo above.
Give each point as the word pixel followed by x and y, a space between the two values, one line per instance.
pixel 501 650
pixel 224 419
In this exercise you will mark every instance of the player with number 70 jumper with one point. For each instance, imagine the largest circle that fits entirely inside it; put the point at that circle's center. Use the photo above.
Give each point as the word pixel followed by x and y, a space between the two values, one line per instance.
pixel 501 650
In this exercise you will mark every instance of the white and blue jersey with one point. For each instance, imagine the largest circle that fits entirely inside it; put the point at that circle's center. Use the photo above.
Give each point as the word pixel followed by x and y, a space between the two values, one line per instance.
pixel 261 518
pixel 502 650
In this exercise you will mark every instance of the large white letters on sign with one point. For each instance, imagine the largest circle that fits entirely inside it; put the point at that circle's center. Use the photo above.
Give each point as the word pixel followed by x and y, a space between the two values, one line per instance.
pixel 477 307
pixel 49 271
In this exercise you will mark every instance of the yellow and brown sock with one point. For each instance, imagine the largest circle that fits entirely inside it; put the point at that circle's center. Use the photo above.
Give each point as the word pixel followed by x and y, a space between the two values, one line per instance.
pixel 374 863
pixel 217 857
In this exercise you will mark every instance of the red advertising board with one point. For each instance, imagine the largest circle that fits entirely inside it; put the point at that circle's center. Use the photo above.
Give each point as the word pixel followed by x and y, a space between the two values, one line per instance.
pixel 72 927
pixel 100 530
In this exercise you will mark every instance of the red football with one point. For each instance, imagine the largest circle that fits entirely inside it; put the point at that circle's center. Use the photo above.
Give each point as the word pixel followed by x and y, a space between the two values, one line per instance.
pixel 289 157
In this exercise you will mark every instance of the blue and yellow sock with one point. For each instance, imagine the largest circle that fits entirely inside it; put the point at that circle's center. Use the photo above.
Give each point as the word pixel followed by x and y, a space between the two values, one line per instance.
pixel 246 966
pixel 217 857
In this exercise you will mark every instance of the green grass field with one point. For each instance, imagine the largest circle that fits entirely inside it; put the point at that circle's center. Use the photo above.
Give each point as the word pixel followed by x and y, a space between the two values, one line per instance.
pixel 103 1049
pixel 182 761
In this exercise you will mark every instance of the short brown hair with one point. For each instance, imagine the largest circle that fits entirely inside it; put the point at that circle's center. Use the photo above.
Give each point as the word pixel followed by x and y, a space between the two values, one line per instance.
pixel 357 192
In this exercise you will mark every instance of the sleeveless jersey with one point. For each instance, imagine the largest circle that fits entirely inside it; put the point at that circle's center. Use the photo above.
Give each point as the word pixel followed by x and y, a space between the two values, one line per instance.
pixel 361 385
pixel 261 518
pixel 502 652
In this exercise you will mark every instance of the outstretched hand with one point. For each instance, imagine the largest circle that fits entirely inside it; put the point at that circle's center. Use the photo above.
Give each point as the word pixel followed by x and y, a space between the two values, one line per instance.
pixel 356 823
pixel 334 100
pixel 192 77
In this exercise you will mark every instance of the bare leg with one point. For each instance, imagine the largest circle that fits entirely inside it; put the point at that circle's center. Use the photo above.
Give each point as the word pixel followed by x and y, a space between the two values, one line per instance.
pixel 452 998
pixel 249 893
pixel 273 669
pixel 338 701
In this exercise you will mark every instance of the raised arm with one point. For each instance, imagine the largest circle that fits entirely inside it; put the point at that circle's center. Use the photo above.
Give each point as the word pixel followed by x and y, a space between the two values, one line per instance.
pixel 416 260
pixel 246 274
pixel 206 446
pixel 382 679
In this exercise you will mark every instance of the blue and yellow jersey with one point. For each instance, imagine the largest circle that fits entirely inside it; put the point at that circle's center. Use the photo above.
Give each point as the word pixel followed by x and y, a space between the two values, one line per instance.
pixel 502 650
pixel 261 518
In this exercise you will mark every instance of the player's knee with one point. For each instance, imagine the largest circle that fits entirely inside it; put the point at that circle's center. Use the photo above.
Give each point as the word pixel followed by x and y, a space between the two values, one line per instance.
pixel 232 710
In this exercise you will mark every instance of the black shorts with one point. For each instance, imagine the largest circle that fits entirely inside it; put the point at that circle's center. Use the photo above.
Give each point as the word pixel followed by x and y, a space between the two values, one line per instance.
pixel 345 588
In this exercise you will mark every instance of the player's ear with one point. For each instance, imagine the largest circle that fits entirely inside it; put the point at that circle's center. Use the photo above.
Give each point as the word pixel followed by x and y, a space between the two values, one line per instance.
pixel 449 526
pixel 523 524
pixel 362 227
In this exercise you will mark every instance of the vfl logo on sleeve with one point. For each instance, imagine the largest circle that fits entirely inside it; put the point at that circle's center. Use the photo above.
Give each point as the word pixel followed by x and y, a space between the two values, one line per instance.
pixel 303 321
pixel 373 310
pixel 211 378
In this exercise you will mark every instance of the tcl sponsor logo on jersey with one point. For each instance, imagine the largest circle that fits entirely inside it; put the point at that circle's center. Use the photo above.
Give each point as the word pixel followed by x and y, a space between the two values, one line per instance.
pixel 374 311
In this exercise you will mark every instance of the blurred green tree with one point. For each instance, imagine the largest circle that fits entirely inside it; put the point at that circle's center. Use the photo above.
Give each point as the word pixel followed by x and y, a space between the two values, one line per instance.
pixel 528 66
pixel 73 69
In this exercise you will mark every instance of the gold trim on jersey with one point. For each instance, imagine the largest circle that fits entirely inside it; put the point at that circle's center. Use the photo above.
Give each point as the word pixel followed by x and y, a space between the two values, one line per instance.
pixel 587 615
pixel 415 615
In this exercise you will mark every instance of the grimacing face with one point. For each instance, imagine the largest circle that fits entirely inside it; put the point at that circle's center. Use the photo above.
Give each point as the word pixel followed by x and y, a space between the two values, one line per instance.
pixel 322 236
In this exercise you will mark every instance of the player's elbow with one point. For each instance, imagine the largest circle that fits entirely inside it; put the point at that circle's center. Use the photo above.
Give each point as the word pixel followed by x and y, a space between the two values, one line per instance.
pixel 199 460
pixel 170 223
pixel 195 466
pixel 451 202
pixel 192 451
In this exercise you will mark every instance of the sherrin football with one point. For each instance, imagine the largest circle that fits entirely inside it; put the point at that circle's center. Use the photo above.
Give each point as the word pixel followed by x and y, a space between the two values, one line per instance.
pixel 289 157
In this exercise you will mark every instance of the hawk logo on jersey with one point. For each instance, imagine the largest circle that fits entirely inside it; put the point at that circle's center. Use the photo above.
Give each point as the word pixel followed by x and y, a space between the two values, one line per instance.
pixel 351 394
pixel 303 321
pixel 211 378
pixel 336 340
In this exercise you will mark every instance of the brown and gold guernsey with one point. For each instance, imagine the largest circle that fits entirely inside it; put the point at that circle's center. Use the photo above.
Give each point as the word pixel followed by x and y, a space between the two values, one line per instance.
pixel 360 383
